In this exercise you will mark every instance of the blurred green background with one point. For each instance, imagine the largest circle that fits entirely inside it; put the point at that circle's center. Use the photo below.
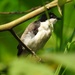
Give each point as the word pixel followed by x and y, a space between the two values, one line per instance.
pixel 62 39
pixel 62 30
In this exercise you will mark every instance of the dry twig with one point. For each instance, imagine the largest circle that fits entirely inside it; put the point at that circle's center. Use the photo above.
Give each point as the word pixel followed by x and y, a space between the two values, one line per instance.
pixel 28 16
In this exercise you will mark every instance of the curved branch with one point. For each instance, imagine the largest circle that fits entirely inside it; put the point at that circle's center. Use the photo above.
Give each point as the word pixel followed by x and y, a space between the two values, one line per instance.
pixel 28 16
pixel 27 48
pixel 25 17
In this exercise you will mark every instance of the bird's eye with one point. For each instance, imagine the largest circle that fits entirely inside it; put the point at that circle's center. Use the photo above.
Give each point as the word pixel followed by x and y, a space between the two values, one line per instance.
pixel 51 16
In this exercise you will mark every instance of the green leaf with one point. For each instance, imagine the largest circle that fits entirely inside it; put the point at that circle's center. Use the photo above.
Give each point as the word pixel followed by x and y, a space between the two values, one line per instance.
pixel 60 5
pixel 67 60
pixel 61 2
pixel 60 10
pixel 69 41
pixel 58 69
pixel 25 67
pixel 71 37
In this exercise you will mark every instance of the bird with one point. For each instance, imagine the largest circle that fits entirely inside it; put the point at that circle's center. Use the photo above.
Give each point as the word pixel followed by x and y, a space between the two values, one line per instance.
pixel 37 33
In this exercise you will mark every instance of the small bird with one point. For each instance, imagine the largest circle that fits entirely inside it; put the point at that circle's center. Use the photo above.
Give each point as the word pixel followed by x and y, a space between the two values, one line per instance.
pixel 37 33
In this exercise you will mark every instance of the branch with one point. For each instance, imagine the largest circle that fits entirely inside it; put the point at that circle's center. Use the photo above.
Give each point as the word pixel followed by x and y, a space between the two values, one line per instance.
pixel 28 16
pixel 14 34
pixel 24 12
pixel 25 46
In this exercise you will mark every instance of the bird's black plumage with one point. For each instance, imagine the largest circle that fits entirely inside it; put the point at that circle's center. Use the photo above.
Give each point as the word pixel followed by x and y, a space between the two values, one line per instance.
pixel 44 17
pixel 20 50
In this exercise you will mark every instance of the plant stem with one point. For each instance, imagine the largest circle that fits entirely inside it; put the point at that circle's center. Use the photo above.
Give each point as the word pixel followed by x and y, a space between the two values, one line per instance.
pixel 18 39
pixel 28 16
pixel 61 29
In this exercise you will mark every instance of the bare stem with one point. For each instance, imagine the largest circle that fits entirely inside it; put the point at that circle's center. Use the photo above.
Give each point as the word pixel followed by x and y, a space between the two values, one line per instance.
pixel 23 12
pixel 26 47
pixel 28 16
pixel 16 37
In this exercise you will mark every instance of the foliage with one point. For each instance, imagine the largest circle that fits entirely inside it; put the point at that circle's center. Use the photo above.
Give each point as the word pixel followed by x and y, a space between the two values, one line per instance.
pixel 62 41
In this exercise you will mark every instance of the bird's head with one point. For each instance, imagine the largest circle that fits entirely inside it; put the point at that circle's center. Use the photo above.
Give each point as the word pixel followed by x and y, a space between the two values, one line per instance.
pixel 52 18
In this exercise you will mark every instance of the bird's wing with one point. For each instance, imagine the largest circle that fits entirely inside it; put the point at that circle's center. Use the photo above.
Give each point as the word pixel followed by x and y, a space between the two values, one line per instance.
pixel 31 27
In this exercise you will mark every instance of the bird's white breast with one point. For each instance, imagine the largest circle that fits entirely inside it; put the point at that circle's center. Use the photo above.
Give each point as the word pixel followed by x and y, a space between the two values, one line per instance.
pixel 37 41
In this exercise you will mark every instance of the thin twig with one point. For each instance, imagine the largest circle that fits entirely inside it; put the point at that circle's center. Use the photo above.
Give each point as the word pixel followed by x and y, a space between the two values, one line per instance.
pixel 26 47
pixel 28 16
pixel 7 13
pixel 24 12
pixel 18 39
